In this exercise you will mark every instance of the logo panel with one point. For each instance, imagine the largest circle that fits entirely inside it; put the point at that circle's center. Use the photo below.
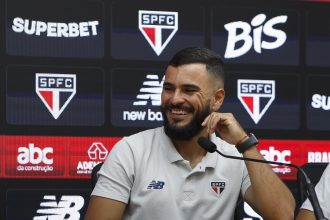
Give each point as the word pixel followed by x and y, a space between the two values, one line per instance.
pixel 55 91
pixel 38 95
pixel 316 151
pixel 158 28
pixel 85 153
pixel 136 100
pixel 256 96
pixel 254 36
pixel 284 151
pixel 153 32
pixel 263 101
pixel 47 204
pixel 29 156
pixel 318 102
pixel 318 38
pixel 51 34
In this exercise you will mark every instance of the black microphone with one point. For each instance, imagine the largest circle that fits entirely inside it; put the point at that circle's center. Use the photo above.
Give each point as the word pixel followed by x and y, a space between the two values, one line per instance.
pixel 210 147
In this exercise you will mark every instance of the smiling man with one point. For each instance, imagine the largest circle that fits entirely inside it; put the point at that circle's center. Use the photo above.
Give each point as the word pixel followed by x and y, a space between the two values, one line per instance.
pixel 163 173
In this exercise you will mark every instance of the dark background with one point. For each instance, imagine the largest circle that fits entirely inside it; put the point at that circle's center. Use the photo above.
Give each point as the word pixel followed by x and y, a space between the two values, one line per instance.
pixel 103 64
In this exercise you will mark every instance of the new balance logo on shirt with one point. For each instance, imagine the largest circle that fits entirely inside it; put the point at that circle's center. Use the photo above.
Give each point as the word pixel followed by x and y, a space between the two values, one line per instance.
pixel 156 185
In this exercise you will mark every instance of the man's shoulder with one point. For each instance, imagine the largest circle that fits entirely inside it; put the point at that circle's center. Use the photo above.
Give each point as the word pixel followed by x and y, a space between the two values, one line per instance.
pixel 144 139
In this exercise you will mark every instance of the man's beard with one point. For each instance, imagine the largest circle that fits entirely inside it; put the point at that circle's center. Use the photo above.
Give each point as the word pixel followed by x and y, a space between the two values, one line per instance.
pixel 188 131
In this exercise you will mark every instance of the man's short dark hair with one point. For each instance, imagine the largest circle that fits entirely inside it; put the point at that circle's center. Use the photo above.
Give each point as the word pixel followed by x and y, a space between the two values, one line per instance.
pixel 212 60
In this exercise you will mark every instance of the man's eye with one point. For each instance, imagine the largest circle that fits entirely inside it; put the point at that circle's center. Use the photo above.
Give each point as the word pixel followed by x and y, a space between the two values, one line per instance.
pixel 190 89
pixel 167 88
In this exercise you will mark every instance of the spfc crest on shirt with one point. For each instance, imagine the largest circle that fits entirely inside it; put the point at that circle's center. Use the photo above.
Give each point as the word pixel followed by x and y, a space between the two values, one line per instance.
pixel 55 91
pixel 158 28
pixel 218 187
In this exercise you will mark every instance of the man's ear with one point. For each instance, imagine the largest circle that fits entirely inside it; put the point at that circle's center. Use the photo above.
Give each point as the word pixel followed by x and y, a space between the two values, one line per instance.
pixel 219 96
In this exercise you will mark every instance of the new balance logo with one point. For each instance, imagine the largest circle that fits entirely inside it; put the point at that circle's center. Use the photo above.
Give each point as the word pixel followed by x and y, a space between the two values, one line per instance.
pixel 55 91
pixel 158 28
pixel 256 96
pixel 156 185
pixel 151 90
pixel 67 208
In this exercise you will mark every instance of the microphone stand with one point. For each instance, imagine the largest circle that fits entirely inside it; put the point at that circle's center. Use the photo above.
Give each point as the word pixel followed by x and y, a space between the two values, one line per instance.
pixel 308 184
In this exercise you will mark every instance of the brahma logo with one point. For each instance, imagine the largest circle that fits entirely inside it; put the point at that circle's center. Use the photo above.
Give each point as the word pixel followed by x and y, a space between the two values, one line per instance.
pixel 260 27
pixel 256 96
pixel 97 153
pixel 31 157
pixel 318 157
pixel 158 28
pixel 55 91
pixel 67 208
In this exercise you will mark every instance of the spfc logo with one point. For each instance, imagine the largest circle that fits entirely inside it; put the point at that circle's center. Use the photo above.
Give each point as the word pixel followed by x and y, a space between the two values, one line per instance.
pixel 55 91
pixel 158 28
pixel 256 96
pixel 218 187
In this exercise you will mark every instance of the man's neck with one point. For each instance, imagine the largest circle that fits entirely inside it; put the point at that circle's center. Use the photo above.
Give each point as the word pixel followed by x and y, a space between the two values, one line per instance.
pixel 190 149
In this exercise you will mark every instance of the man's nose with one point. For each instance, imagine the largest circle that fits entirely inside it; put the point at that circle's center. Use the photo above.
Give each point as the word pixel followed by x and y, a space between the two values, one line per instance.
pixel 177 97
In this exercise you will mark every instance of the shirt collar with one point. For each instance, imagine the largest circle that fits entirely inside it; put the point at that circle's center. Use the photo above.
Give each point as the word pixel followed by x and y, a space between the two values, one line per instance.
pixel 209 160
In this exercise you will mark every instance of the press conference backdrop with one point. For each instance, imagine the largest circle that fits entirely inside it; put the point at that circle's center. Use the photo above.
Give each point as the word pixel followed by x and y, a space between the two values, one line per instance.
pixel 77 76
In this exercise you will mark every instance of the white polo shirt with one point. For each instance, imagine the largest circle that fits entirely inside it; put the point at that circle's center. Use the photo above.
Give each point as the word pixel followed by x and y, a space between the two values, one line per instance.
pixel 322 190
pixel 146 172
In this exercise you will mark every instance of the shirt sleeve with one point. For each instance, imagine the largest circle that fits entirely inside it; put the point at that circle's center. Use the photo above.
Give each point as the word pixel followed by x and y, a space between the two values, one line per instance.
pixel 322 192
pixel 116 176
pixel 246 183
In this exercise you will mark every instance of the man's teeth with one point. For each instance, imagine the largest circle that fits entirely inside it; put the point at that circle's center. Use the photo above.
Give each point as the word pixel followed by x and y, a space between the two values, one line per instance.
pixel 179 112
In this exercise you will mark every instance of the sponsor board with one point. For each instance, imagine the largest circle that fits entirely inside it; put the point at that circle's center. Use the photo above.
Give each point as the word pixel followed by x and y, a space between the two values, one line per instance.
pixel 38 95
pixel 87 153
pixel 75 158
pixel 53 157
pixel 136 102
pixel 263 101
pixel 154 32
pixel 318 102
pixel 283 151
pixel 318 38
pixel 256 36
pixel 38 204
pixel 34 157
pixel 68 34
pixel 316 151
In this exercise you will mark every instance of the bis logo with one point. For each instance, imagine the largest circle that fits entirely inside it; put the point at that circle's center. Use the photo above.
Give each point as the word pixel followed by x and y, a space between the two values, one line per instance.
pixel 55 91
pixel 158 28
pixel 256 96
pixel 259 28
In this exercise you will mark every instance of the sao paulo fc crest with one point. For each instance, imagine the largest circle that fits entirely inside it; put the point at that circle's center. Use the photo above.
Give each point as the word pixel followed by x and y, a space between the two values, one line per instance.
pixel 256 96
pixel 218 187
pixel 55 91
pixel 158 28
